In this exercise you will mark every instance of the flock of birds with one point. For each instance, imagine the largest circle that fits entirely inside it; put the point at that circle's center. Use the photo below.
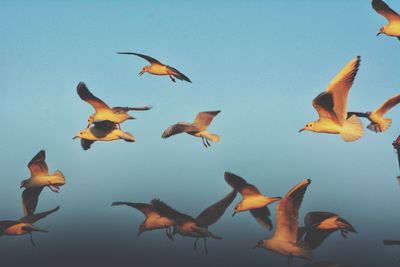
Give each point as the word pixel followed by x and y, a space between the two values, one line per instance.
pixel 289 239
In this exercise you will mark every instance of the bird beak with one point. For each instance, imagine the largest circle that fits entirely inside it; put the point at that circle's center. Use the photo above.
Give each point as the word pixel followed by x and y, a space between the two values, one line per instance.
pixel 73 138
pixel 302 129
pixel 379 33
pixel 141 73
pixel 234 213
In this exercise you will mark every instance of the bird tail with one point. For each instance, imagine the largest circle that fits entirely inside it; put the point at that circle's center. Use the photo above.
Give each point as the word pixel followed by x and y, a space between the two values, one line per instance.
pixel 212 137
pixel 60 179
pixel 352 129
pixel 128 137
pixel 213 236
pixel 381 127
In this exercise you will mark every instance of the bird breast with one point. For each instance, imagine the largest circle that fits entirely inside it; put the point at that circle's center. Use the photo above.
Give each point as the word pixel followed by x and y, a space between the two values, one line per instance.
pixel 16 229
pixel 158 69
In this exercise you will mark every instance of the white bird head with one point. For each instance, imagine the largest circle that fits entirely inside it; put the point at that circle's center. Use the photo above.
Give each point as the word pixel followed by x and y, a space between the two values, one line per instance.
pixel 145 69
pixel 309 127
pixel 85 134
pixel 382 30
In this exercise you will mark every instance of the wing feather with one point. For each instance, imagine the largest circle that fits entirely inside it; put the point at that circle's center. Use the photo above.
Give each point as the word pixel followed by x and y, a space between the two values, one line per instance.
pixel 88 97
pixel 148 58
pixel 387 105
pixel 37 165
pixel 179 128
pixel 383 9
pixel 239 184
pixel 203 119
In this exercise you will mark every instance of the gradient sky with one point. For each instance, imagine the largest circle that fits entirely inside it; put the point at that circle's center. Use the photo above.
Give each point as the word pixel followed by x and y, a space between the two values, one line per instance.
pixel 260 62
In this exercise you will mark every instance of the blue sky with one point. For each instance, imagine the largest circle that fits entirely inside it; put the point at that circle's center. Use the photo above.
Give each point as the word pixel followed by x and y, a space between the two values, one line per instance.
pixel 261 63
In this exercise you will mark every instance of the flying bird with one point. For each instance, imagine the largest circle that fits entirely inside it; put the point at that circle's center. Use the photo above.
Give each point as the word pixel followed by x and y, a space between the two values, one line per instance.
pixel 102 131
pixel 393 27
pixel 40 178
pixel 158 68
pixel 153 220
pixel 24 225
pixel 285 239
pixel 198 128
pixel 331 106
pixel 252 200
pixel 195 227
pixel 378 122
pixel 103 112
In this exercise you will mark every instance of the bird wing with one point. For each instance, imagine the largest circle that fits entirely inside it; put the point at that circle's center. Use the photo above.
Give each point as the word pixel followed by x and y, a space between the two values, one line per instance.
pixel 147 209
pixel 105 125
pixel 5 224
pixel 358 114
pixel 203 119
pixel 262 216
pixel 212 214
pixel 340 87
pixel 314 218
pixel 179 128
pixel 88 97
pixel 37 165
pixel 240 185
pixel 315 237
pixel 126 109
pixel 387 105
pixel 166 211
pixel 30 198
pixel 383 9
pixel 287 213
pixel 38 216
pixel 323 104
pixel 86 144
pixel 179 75
pixel 148 58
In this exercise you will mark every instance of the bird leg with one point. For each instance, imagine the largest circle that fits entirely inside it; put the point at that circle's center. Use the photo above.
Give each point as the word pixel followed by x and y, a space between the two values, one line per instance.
pixel 208 143
pixel 31 238
pixel 205 245
pixel 172 78
pixel 169 233
pixel 343 233
pixel 204 143
pixel 195 244
pixel 53 188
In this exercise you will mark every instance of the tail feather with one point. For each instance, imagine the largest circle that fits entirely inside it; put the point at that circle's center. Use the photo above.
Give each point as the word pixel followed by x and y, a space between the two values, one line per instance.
pixel 212 137
pixel 352 129
pixel 128 137
pixel 380 127
pixel 60 176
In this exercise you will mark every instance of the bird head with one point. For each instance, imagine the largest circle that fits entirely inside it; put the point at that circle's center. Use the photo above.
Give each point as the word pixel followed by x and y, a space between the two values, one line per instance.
pixel 82 134
pixel 381 30
pixel 309 127
pixel 238 208
pixel 145 69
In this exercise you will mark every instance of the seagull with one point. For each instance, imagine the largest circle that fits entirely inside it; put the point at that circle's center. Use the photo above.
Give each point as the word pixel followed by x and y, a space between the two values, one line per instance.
pixel 102 131
pixel 40 178
pixel 378 122
pixel 198 128
pixel 195 227
pixel 331 106
pixel 252 200
pixel 116 115
pixel 393 28
pixel 284 240
pixel 158 68
pixel 153 219
pixel 24 225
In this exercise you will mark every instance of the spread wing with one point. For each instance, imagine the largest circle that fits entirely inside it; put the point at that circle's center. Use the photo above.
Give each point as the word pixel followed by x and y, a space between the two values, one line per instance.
pixel 148 58
pixel 30 198
pixel 86 144
pixel 166 211
pixel 239 184
pixel 38 216
pixel 358 114
pixel 314 218
pixel 37 165
pixel 315 237
pixel 383 9
pixel 5 224
pixel 387 105
pixel 178 128
pixel 340 87
pixel 323 104
pixel 262 217
pixel 179 75
pixel 126 109
pixel 203 119
pixel 212 214
pixel 87 96
pixel 287 213
pixel 147 209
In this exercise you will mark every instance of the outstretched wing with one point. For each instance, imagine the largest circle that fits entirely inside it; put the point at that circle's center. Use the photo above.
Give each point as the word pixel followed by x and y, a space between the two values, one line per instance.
pixel 87 96
pixel 287 213
pixel 203 119
pixel 323 104
pixel 179 128
pixel 340 87
pixel 38 216
pixel 315 237
pixel 179 75
pixel 387 105
pixel 314 218
pixel 212 214
pixel 166 211
pixel 148 58
pixel 383 9
pixel 262 217
pixel 30 198
pixel 37 165
pixel 147 209
pixel 126 109
pixel 239 184
pixel 86 144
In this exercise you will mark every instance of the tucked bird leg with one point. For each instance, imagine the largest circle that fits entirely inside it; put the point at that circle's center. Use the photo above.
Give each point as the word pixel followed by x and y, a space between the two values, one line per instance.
pixel 195 244
pixel 208 143
pixel 53 188
pixel 172 78
pixel 169 233
pixel 344 233
pixel 205 245
pixel 31 238
pixel 204 141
